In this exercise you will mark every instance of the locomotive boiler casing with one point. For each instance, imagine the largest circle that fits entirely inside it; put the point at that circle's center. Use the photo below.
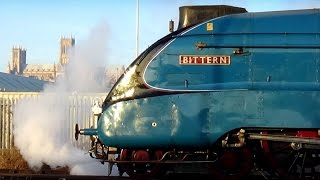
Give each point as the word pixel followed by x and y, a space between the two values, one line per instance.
pixel 194 85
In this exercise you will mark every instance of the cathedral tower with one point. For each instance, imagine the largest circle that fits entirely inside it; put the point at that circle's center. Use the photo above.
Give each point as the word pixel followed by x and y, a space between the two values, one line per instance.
pixel 18 60
pixel 65 45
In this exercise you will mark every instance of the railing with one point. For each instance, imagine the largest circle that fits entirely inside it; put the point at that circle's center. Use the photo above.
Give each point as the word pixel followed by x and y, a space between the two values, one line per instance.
pixel 77 111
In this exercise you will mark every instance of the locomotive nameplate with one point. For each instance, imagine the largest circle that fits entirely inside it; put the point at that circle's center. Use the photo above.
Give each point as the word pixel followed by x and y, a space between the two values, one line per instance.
pixel 204 60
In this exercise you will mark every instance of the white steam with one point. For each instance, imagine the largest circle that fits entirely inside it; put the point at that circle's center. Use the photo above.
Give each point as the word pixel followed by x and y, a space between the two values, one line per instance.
pixel 41 132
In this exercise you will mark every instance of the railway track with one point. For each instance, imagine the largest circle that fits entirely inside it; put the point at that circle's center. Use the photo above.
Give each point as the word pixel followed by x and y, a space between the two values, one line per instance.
pixel 50 175
pixel 59 175
pixel 55 177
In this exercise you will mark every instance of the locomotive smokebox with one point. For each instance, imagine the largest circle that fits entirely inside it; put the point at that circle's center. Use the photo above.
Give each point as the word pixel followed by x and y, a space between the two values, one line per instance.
pixel 190 15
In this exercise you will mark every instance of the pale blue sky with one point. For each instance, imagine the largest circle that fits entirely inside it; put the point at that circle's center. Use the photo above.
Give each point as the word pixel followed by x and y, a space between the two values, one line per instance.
pixel 37 25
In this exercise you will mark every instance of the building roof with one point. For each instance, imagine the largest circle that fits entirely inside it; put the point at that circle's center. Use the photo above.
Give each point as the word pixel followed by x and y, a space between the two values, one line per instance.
pixel 16 83
pixel 39 67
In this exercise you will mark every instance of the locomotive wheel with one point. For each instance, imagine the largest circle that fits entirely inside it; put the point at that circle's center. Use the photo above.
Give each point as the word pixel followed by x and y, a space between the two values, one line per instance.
pixel 234 164
pixel 141 170
pixel 291 160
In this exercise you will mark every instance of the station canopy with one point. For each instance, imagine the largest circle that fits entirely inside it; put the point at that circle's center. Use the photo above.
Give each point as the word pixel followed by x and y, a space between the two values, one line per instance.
pixel 16 83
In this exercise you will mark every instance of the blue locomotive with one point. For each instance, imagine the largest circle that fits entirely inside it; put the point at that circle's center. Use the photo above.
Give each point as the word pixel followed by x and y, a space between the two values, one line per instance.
pixel 230 91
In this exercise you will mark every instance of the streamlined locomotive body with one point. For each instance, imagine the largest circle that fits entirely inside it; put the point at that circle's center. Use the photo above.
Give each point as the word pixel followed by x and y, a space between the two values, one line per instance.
pixel 231 92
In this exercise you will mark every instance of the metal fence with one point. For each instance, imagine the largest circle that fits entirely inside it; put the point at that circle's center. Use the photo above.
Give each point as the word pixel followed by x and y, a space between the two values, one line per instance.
pixel 78 111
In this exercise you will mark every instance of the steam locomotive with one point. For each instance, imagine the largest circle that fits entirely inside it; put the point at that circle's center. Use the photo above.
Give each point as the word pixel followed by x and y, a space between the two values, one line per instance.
pixel 227 92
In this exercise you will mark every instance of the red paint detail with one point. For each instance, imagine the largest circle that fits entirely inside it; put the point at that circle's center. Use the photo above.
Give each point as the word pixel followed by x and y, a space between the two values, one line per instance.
pixel 307 134
pixel 123 155
pixel 265 144
pixel 140 155
pixel 229 160
pixel 158 155
pixel 240 162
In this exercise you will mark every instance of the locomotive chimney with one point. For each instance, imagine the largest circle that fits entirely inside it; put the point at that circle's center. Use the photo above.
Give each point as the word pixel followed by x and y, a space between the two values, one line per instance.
pixel 190 15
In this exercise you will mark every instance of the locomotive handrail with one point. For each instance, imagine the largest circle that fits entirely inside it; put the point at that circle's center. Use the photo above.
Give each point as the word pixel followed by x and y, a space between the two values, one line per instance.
pixel 162 162
pixel 283 138
pixel 250 33
pixel 201 46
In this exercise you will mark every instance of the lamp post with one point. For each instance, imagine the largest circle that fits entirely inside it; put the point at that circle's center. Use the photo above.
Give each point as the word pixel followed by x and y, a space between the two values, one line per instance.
pixel 137 29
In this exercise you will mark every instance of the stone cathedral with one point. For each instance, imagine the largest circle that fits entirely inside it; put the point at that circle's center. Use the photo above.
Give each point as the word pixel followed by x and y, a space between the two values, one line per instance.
pixel 49 72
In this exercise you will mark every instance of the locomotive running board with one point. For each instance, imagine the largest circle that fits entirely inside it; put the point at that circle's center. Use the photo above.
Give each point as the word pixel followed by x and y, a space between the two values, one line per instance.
pixel 159 162
pixel 284 138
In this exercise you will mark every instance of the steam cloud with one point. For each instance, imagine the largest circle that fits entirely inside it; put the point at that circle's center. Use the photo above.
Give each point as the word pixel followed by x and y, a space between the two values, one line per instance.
pixel 40 130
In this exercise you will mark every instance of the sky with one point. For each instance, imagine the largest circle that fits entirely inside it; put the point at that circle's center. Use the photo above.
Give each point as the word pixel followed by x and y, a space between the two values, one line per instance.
pixel 38 25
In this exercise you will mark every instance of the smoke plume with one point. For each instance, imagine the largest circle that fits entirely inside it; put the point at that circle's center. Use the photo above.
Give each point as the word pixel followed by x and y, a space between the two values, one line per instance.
pixel 41 132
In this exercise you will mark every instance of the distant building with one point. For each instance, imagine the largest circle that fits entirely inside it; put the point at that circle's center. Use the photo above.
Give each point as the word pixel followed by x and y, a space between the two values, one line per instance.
pixel 18 60
pixel 65 45
pixel 17 83
pixel 49 72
